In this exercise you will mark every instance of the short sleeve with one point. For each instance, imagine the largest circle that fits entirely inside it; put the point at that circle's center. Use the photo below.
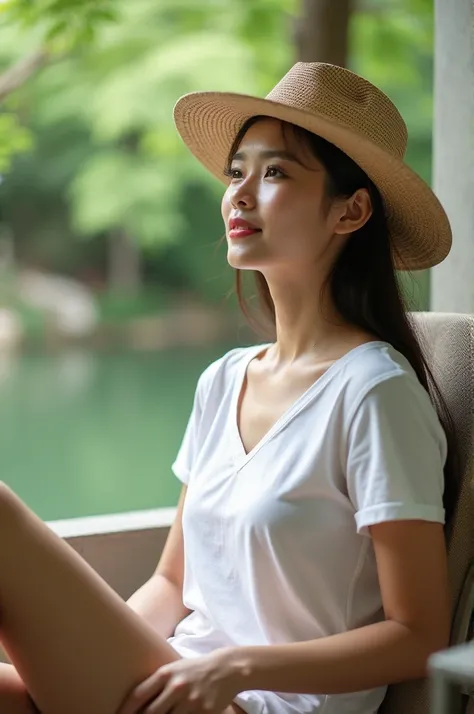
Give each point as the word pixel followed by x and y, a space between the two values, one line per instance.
pixel 190 443
pixel 396 450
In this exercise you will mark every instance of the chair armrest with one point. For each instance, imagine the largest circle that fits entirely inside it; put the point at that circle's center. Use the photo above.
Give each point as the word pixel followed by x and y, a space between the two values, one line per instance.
pixel 452 670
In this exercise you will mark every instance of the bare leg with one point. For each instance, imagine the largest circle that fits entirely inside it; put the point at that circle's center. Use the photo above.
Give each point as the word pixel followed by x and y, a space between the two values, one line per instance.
pixel 14 698
pixel 73 641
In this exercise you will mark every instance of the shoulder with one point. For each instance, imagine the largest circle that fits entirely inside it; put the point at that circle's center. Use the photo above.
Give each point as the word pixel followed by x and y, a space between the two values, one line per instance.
pixel 374 364
pixel 384 395
pixel 381 384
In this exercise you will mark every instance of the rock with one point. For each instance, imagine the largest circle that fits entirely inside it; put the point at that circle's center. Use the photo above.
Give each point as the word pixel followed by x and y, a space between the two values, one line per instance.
pixel 11 330
pixel 68 302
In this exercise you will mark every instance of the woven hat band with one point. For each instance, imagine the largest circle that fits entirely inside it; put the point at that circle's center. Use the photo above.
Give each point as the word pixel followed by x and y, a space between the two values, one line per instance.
pixel 346 98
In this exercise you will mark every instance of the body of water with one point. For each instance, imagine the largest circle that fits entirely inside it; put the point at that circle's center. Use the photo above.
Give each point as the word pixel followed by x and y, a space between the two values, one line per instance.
pixel 85 433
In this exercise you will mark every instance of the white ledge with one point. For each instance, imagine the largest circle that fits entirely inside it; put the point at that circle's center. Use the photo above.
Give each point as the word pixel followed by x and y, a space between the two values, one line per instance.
pixel 113 523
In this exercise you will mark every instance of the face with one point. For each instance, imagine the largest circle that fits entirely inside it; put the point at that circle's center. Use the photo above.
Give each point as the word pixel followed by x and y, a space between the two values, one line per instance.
pixel 278 187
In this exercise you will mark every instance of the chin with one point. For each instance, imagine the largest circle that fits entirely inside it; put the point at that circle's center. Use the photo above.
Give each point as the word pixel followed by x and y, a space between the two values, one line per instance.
pixel 243 262
pixel 244 265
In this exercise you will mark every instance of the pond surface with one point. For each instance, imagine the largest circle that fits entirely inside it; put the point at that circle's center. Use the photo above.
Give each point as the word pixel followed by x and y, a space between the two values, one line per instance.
pixel 85 433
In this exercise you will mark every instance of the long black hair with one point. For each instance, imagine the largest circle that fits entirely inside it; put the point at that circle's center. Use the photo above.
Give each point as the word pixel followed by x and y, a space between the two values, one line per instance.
pixel 363 283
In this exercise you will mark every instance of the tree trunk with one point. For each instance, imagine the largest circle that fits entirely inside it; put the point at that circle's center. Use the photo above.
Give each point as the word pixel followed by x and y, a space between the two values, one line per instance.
pixel 321 33
pixel 124 269
pixel 19 73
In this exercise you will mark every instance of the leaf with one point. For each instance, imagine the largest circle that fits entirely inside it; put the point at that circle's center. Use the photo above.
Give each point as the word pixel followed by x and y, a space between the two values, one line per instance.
pixel 57 29
pixel 132 192
pixel 105 15
pixel 105 142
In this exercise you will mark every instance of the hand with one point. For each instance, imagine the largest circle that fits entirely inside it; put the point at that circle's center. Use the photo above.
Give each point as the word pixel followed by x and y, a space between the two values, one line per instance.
pixel 200 685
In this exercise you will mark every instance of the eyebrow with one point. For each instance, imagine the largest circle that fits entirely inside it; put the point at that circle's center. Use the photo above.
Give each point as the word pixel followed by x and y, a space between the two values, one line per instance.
pixel 269 154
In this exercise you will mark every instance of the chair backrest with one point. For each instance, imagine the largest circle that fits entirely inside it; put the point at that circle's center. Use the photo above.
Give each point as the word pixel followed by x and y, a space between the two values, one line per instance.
pixel 448 345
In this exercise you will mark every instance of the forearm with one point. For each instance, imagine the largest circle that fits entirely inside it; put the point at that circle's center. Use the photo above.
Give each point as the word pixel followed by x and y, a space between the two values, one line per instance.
pixel 352 661
pixel 160 603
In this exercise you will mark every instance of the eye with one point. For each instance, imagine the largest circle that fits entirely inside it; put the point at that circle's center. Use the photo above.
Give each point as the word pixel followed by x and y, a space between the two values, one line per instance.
pixel 231 173
pixel 275 172
pixel 271 172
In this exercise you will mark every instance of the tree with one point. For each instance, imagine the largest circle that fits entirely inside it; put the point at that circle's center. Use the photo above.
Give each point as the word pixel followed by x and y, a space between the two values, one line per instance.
pixel 114 103
pixel 106 158
pixel 321 32
pixel 56 28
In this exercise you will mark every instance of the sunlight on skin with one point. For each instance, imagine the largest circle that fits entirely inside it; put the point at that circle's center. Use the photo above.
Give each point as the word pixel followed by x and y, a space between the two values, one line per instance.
pixel 279 186
pixel 280 189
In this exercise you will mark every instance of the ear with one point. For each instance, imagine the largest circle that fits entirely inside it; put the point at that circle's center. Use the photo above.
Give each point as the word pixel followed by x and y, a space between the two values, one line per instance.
pixel 354 212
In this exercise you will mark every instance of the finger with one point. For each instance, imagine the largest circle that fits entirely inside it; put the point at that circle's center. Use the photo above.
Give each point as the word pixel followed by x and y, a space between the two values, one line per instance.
pixel 172 697
pixel 143 693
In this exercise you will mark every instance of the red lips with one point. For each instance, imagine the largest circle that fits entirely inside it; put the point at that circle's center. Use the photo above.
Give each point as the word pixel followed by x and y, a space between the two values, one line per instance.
pixel 240 223
pixel 238 228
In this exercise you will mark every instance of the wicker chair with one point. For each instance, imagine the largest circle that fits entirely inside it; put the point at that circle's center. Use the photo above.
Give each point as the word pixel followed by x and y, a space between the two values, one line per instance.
pixel 448 344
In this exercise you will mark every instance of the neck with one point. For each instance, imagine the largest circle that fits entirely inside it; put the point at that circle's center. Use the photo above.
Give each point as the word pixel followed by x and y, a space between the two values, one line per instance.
pixel 307 322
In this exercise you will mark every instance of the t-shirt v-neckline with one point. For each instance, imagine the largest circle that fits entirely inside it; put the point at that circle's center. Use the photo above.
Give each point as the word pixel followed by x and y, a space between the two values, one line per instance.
pixel 241 457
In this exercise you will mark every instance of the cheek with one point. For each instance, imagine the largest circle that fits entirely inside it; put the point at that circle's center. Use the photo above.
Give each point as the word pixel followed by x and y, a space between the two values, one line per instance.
pixel 307 216
pixel 292 213
pixel 225 206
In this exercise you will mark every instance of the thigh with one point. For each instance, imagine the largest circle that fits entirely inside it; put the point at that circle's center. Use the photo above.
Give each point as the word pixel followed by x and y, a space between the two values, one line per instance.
pixel 14 697
pixel 75 643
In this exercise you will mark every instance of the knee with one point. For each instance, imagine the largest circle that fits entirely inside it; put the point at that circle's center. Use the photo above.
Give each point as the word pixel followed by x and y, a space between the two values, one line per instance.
pixel 8 499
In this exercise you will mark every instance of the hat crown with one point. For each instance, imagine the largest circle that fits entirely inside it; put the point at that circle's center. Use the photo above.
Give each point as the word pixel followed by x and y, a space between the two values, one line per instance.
pixel 343 97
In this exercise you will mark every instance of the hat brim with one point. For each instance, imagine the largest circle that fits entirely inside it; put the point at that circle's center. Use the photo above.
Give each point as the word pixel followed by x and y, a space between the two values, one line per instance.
pixel 208 123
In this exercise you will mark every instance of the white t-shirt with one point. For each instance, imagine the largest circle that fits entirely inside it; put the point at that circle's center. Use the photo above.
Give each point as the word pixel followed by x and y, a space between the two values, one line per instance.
pixel 277 546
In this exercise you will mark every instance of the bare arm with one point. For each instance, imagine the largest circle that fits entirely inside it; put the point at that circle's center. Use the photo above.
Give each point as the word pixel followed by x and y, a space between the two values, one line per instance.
pixel 411 561
pixel 160 600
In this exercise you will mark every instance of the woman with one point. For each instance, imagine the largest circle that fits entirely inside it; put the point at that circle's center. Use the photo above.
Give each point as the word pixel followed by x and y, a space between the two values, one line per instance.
pixel 306 568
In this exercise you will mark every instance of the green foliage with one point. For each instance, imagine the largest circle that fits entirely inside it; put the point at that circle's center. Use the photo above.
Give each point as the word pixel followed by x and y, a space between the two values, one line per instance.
pixel 51 27
pixel 133 194
pixel 105 147
pixel 122 91
pixel 393 48
pixel 14 139
pixel 64 23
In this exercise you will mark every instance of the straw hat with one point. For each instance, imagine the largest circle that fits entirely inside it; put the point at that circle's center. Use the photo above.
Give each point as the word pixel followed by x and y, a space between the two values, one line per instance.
pixel 352 114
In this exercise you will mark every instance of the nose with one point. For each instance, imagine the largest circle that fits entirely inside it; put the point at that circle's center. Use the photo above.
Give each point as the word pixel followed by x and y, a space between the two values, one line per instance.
pixel 242 196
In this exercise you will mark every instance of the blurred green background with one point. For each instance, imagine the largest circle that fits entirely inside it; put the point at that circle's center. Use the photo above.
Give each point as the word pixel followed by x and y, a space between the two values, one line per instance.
pixel 114 291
